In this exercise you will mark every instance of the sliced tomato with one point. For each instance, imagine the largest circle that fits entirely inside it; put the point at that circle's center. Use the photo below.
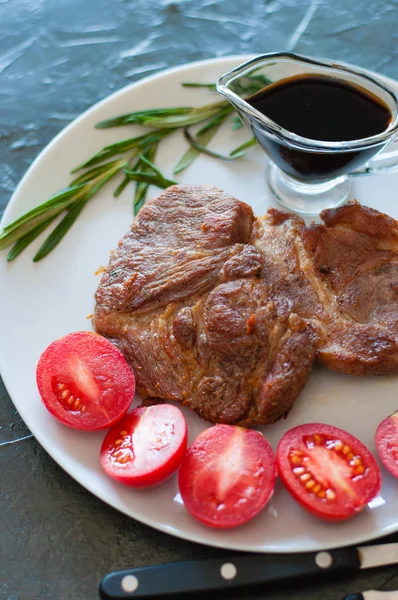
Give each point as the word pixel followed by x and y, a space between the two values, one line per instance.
pixel 85 381
pixel 146 446
pixel 387 443
pixel 327 470
pixel 228 475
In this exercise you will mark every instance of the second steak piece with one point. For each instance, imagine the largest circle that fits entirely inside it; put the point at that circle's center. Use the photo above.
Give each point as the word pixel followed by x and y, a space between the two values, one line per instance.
pixel 342 278
pixel 182 298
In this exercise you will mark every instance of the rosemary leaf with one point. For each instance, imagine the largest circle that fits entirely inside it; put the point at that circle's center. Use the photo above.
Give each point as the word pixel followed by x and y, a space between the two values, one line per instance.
pixel 236 123
pixel 238 151
pixel 150 178
pixel 112 150
pixel 216 120
pixel 179 120
pixel 73 212
pixel 167 118
pixel 195 144
pixel 53 207
pixel 250 84
pixel 142 188
pixel 135 117
pixel 141 201
pixel 204 137
pixel 124 183
pixel 28 238
pixel 150 164
pixel 65 197
pixel 95 171
pixel 60 231
pixel 209 86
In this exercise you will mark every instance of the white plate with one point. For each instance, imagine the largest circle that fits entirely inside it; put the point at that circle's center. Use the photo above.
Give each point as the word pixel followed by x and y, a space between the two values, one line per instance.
pixel 41 302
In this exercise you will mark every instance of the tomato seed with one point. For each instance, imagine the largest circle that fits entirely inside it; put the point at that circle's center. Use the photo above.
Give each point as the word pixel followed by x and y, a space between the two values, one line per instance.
pixel 330 495
pixel 298 470
pixel 305 476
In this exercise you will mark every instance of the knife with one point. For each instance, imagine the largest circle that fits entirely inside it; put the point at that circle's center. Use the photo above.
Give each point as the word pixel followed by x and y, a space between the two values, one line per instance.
pixel 373 595
pixel 240 570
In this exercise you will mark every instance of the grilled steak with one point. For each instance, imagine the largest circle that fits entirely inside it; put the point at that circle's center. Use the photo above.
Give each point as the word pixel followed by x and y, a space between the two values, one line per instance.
pixel 342 278
pixel 182 298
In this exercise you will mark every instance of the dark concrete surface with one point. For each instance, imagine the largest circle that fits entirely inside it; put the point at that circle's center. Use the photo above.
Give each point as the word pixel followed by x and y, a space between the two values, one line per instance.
pixel 58 57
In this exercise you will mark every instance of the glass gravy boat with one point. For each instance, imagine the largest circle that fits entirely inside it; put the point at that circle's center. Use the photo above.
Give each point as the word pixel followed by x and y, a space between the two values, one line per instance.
pixel 306 175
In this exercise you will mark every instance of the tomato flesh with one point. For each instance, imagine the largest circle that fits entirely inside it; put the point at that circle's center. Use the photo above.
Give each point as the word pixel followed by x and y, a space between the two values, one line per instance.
pixel 327 470
pixel 387 443
pixel 227 476
pixel 85 381
pixel 146 446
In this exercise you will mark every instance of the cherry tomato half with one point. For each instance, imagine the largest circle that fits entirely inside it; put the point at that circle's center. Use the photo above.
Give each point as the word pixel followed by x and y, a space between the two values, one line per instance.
pixel 327 470
pixel 387 443
pixel 85 381
pixel 228 475
pixel 146 446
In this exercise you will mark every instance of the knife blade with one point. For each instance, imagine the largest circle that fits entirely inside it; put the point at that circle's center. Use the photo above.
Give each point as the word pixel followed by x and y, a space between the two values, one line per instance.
pixel 373 595
pixel 240 570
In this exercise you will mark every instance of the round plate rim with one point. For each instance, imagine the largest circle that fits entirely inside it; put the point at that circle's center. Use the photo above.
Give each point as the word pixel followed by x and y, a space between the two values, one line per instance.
pixel 58 456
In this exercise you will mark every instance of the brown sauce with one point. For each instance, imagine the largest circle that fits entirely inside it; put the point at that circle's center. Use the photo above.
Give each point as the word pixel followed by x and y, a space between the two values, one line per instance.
pixel 323 108
pixel 319 108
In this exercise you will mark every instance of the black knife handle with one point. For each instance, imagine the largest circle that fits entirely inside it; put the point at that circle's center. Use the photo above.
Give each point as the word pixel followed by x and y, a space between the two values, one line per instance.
pixel 228 573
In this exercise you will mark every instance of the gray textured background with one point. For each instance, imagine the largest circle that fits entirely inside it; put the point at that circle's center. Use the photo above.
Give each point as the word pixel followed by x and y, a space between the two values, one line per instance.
pixel 57 58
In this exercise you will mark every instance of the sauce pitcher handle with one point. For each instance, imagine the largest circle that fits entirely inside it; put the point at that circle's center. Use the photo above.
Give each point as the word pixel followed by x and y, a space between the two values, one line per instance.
pixel 385 161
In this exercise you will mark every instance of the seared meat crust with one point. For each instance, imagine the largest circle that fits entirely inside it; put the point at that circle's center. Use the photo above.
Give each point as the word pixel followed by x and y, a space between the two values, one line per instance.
pixel 341 277
pixel 182 298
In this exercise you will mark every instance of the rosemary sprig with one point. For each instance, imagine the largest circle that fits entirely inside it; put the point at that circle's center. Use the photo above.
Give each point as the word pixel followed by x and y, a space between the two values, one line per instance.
pixel 209 86
pixel 150 178
pixel 237 153
pixel 142 188
pixel 240 150
pixel 132 157
pixel 204 137
pixel 165 118
pixel 135 143
pixel 236 123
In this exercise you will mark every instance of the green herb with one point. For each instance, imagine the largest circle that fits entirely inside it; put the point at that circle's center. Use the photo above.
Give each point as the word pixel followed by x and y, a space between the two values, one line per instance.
pixel 132 157
pixel 209 86
pixel 142 188
pixel 236 123
pixel 237 153
pixel 240 150
pixel 204 137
